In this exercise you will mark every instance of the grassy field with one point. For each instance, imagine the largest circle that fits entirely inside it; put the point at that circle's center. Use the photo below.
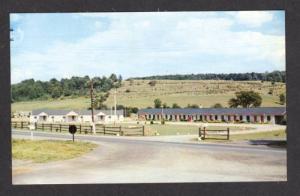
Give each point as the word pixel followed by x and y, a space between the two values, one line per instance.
pixel 41 151
pixel 139 93
pixel 173 129
pixel 280 134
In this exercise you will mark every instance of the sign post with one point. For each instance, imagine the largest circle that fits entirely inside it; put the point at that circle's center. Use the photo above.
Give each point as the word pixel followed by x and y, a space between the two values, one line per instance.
pixel 72 130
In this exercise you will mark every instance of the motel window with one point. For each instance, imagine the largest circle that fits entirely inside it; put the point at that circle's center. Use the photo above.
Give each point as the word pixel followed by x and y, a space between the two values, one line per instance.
pixel 216 117
pixel 73 117
pixel 223 118
pixel 241 117
pixel 268 118
pixel 35 117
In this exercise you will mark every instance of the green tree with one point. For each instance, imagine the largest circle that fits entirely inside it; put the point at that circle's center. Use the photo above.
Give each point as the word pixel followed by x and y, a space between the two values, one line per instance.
pixel 165 105
pixel 217 105
pixel 157 103
pixel 56 92
pixel 282 99
pixel 175 105
pixel 113 77
pixel 192 106
pixel 152 83
pixel 245 99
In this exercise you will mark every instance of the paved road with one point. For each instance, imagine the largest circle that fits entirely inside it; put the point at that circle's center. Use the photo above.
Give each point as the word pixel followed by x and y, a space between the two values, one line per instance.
pixel 142 160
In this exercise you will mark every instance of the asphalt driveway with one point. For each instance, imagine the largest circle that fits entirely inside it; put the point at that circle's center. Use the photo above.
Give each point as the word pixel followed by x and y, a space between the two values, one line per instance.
pixel 126 160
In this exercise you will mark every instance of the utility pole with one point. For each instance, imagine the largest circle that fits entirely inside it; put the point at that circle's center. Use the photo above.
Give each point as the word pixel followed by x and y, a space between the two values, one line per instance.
pixel 162 113
pixel 92 104
pixel 115 101
pixel 92 98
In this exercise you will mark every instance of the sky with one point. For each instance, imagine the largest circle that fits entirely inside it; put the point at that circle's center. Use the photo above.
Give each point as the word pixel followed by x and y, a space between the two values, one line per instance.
pixel 62 45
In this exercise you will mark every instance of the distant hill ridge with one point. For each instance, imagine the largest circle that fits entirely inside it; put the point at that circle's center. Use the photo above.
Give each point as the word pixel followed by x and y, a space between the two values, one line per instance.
pixel 275 76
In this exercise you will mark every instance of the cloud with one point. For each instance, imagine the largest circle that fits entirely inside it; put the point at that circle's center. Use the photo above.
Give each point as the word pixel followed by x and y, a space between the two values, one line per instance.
pixel 15 17
pixel 253 18
pixel 156 43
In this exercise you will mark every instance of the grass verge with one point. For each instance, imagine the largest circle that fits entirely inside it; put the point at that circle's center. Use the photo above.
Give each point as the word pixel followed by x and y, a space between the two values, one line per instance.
pixel 179 129
pixel 42 151
pixel 280 134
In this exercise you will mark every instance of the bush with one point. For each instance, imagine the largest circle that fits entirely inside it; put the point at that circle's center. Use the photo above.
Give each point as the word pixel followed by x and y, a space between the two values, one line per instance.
pixel 152 83
pixel 151 122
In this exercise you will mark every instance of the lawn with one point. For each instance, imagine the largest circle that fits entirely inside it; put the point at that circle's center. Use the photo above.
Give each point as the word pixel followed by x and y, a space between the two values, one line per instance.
pixel 177 129
pixel 280 134
pixel 42 151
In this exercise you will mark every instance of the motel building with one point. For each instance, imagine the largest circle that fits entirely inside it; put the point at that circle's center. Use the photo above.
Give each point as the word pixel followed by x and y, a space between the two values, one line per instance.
pixel 271 115
pixel 75 116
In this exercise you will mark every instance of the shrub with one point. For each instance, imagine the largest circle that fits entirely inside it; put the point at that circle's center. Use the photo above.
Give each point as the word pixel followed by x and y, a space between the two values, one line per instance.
pixel 151 122
pixel 152 83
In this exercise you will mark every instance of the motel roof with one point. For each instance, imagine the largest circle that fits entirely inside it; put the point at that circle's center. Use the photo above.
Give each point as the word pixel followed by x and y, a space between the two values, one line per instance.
pixel 79 112
pixel 215 111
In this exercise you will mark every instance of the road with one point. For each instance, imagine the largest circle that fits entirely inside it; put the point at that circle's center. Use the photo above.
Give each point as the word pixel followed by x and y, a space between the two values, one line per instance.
pixel 145 160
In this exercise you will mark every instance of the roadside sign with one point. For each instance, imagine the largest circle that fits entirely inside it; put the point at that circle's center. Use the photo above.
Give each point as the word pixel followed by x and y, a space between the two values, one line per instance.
pixel 72 130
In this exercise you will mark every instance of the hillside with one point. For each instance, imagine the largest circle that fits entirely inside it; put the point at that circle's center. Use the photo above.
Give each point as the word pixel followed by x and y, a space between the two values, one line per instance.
pixel 139 93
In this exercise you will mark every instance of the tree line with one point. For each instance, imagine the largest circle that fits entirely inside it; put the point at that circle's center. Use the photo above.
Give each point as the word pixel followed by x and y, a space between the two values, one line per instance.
pixel 75 86
pixel 275 76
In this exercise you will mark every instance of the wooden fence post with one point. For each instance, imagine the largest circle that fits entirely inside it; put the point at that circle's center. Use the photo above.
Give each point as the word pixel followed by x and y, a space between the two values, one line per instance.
pixel 143 129
pixel 51 127
pixel 35 125
pixel 59 127
pixel 21 124
pixel 204 132
pixel 199 133
pixel 91 129
pixel 43 126
pixel 104 129
pixel 120 130
pixel 80 128
pixel 228 133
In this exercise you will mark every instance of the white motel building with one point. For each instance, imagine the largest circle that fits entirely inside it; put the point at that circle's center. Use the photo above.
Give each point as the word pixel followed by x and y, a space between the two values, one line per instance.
pixel 272 115
pixel 79 116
